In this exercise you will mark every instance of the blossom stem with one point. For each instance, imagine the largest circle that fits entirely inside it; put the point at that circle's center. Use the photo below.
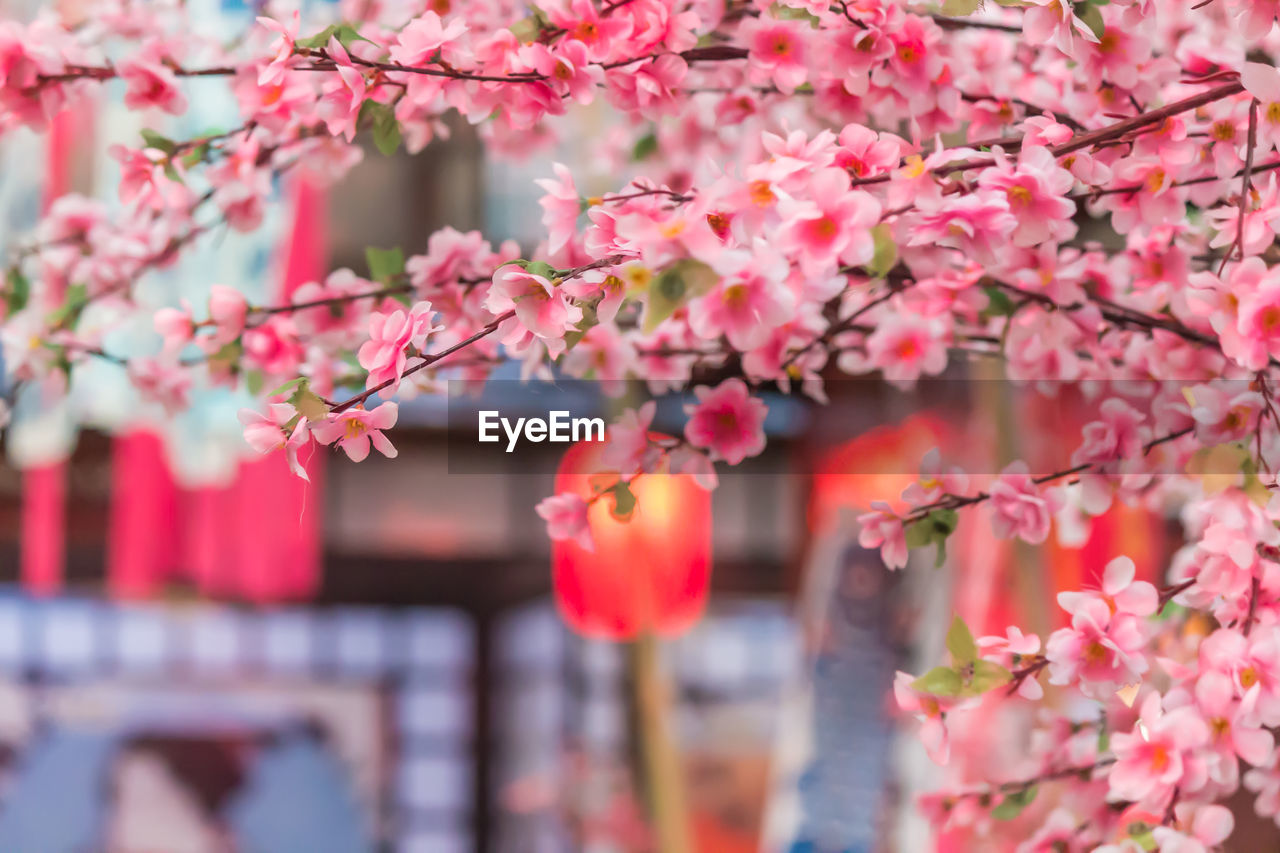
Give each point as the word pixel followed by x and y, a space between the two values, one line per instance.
pixel 1244 184
pixel 1094 137
pixel 489 328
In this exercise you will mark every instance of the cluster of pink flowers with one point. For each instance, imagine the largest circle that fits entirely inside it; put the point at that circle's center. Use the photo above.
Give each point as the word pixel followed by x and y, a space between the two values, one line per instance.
pixel 791 193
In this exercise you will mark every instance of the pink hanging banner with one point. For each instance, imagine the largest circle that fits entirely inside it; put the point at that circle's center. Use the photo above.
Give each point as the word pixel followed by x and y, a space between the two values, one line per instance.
pixel 280 549
pixel 257 539
pixel 44 488
pixel 143 527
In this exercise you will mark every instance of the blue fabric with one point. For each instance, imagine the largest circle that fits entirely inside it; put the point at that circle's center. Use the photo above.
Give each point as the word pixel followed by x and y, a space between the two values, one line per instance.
pixel 296 800
pixel 58 799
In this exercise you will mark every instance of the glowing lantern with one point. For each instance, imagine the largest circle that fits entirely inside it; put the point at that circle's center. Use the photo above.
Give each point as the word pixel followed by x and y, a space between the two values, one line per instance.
pixel 648 574
pixel 875 466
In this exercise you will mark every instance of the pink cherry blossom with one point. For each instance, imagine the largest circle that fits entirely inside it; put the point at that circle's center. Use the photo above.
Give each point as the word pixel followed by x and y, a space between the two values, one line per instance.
pixel 1233 725
pixel 1119 591
pixel 151 84
pixel 905 347
pixel 629 449
pixel 176 327
pixel 566 518
pixel 162 382
pixel 561 207
pixel 1222 415
pixel 1258 324
pixel 779 49
pixel 1100 651
pixel 1161 756
pixel 356 428
pixel 386 353
pixel 1200 829
pixel 1020 508
pixel 975 224
pixel 747 303
pixel 882 528
pixel 228 310
pixel 540 306
pixel 1035 189
pixel 934 481
pixel 286 34
pixel 1263 82
pixel 341 104
pixel 1118 434
pixel 271 432
pixel 570 68
pixel 930 711
pixel 1054 21
pixel 727 421
pixel 1010 651
pixel 831 225
pixel 419 42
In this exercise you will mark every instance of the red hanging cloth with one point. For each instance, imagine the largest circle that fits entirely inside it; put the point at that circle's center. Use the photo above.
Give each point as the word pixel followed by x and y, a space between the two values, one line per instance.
pixel 257 539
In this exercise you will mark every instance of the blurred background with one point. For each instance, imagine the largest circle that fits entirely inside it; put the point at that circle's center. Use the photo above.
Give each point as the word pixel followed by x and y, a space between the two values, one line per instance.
pixel 199 653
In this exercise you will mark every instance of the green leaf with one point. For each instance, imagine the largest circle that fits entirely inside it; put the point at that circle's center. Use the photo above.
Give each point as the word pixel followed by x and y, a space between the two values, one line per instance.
pixel 67 314
pixel 580 329
pixel 17 291
pixel 933 529
pixel 386 135
pixel 646 146
pixel 783 12
pixel 309 404
pixel 288 387
pixel 671 288
pixel 987 676
pixel 347 36
pixel 253 381
pixel 543 269
pixel 918 534
pixel 527 29
pixel 961 644
pixel 960 8
pixel 158 141
pixel 1092 16
pixel 998 303
pixel 624 501
pixel 1013 804
pixel 886 251
pixel 939 681
pixel 229 354
pixel 385 265
pixel 196 155
pixel 1141 832
pixel 381 118
pixel 320 39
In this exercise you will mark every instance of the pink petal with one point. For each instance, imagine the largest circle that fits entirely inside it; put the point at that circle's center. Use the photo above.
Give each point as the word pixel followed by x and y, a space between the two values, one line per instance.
pixel 1118 575
pixel 356 448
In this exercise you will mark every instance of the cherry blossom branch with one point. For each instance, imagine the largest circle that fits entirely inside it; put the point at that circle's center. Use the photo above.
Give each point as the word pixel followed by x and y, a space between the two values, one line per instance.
pixel 1244 184
pixel 489 328
pixel 951 501
pixel 1169 593
pixel 323 62
pixel 1086 140
pixel 1031 670
pixel 1118 314
pixel 1023 785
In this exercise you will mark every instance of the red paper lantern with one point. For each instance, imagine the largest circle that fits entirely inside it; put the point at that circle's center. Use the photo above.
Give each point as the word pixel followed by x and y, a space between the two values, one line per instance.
pixel 647 574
